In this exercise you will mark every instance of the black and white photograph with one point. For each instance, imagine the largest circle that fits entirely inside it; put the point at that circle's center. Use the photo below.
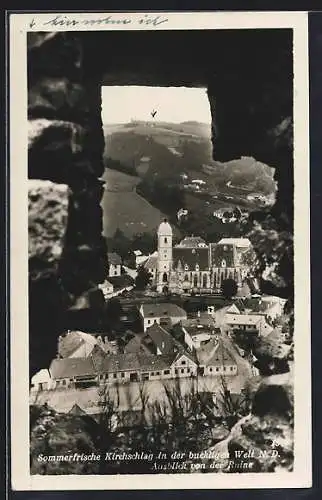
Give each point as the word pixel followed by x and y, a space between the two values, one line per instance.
pixel 166 266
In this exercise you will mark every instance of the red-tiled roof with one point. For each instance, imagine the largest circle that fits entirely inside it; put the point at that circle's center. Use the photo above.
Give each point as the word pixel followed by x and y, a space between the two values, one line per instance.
pixel 71 341
pixel 77 410
pixel 151 262
pixel 140 343
pixel 114 258
pixel 135 362
pixel 220 357
pixel 162 310
pixel 223 252
pixel 190 257
pixel 191 242
pixel 162 339
pixel 71 367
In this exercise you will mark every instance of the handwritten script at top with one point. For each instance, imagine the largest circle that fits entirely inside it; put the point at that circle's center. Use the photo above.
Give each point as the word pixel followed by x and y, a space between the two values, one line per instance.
pixel 69 22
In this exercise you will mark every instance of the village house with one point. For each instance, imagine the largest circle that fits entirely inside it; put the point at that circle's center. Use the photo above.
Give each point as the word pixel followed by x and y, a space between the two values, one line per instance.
pixel 161 313
pixel 151 264
pixel 237 318
pixel 215 359
pixel 199 335
pixel 78 373
pixel 77 344
pixel 140 258
pixel 82 373
pixel 273 306
pixel 153 355
pixel 41 380
pixel 107 289
pixel 183 212
pixel 155 340
pixel 114 263
pixel 249 322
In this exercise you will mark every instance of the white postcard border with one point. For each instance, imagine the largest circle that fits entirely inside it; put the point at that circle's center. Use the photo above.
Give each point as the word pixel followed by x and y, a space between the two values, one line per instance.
pixel 21 479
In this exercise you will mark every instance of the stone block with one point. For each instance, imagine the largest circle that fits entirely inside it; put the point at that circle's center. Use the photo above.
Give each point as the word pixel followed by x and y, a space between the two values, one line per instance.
pixel 58 98
pixel 53 148
pixel 54 54
pixel 47 221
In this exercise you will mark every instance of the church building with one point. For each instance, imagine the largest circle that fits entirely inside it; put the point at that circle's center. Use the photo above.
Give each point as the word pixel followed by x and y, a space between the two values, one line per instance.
pixel 196 266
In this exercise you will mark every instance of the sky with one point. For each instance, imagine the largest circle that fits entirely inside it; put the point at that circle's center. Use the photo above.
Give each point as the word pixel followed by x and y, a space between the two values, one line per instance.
pixel 121 104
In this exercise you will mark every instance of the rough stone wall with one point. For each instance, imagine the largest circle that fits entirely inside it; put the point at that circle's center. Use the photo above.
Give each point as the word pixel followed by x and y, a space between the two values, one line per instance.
pixel 67 254
pixel 252 109
pixel 251 100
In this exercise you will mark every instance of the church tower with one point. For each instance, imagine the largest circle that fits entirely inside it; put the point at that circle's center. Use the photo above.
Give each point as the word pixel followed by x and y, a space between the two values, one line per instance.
pixel 164 255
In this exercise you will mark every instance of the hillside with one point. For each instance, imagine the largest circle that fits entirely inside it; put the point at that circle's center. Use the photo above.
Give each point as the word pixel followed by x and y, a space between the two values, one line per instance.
pixel 164 149
pixel 164 160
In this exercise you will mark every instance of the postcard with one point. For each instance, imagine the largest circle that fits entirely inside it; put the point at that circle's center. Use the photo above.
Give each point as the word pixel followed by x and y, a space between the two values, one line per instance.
pixel 160 259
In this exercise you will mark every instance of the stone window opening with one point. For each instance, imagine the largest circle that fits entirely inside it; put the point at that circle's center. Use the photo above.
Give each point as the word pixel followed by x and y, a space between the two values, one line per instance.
pixel 98 76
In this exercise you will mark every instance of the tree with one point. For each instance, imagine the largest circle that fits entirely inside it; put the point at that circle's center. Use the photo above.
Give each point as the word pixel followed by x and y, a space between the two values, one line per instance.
pixel 142 279
pixel 231 408
pixel 119 243
pixel 113 310
pixel 229 288
pixel 146 242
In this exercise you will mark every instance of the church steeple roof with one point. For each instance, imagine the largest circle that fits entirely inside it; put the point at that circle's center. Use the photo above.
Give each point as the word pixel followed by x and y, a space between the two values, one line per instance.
pixel 165 229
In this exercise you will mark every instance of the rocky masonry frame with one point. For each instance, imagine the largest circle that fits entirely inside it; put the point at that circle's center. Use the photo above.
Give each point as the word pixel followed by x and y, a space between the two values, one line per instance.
pixel 252 115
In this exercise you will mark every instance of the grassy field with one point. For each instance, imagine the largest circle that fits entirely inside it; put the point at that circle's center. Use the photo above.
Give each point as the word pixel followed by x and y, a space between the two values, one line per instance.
pixel 123 208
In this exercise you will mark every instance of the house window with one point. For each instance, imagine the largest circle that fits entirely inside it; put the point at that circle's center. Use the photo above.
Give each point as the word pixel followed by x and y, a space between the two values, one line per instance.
pixel 188 370
pixel 204 281
pixel 166 372
pixel 217 369
pixel 165 277
pixel 183 362
pixel 186 277
pixel 122 374
pixel 157 373
pixel 210 369
pixel 152 373
pixel 165 240
pixel 224 368
pixel 115 273
pixel 149 321
pixel 231 368
pixel 114 375
pixel 195 281
pixel 176 371
pixel 182 370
